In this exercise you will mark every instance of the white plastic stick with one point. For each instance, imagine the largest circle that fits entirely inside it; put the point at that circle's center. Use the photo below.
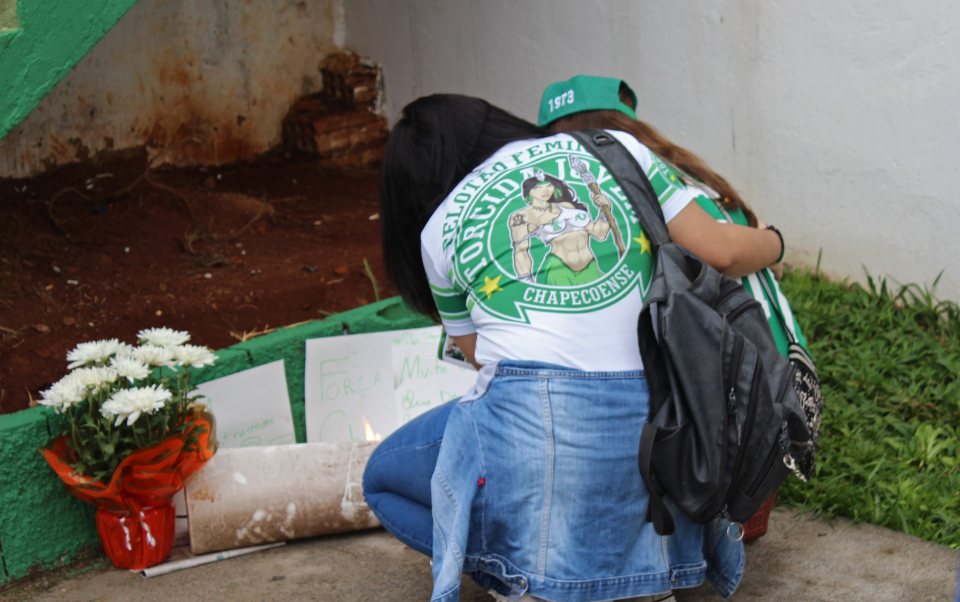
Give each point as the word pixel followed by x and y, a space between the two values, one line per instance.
pixel 186 563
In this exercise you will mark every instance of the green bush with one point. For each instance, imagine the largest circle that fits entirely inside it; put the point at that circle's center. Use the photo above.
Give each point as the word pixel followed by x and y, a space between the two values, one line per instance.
pixel 888 359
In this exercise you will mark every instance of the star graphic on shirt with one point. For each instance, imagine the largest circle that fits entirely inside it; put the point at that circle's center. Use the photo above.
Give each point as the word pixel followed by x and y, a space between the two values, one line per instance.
pixel 490 286
pixel 644 243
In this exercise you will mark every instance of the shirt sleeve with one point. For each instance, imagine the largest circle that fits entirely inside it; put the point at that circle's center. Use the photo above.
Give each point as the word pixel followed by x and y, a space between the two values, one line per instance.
pixel 672 192
pixel 451 303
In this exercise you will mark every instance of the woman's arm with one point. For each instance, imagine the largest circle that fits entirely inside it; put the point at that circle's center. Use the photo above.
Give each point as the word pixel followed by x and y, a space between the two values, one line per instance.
pixel 732 249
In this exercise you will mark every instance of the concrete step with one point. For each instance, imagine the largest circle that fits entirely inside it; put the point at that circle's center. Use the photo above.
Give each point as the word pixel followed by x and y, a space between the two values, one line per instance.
pixel 799 559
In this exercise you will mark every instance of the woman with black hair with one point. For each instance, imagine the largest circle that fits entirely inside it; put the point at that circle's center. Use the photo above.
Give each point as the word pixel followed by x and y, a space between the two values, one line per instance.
pixel 529 481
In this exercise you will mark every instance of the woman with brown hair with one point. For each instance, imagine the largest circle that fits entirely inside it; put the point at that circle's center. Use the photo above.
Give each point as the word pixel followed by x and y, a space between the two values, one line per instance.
pixel 592 102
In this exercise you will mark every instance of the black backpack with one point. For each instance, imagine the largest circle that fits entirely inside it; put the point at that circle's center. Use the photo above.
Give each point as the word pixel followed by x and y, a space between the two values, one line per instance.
pixel 725 423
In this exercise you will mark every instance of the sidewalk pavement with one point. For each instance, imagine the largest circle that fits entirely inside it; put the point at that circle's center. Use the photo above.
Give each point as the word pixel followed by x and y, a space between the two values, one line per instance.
pixel 800 560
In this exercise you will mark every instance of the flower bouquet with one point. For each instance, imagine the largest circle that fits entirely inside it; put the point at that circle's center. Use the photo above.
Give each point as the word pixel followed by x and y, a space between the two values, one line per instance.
pixel 135 432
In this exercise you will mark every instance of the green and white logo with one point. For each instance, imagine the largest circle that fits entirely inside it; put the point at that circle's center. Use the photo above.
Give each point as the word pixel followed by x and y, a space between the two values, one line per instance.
pixel 547 229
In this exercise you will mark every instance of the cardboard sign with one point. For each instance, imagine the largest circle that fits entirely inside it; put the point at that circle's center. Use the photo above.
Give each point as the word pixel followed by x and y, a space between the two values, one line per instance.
pixel 363 386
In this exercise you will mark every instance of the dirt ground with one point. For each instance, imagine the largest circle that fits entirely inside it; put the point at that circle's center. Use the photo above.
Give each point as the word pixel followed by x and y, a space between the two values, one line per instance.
pixel 104 249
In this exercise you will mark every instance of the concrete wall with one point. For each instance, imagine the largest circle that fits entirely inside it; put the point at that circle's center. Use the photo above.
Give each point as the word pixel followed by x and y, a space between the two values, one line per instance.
pixel 42 526
pixel 8 15
pixel 838 122
pixel 211 77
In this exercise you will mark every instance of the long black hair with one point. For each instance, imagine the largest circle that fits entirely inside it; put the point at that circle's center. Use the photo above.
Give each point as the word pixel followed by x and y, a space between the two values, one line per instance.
pixel 438 141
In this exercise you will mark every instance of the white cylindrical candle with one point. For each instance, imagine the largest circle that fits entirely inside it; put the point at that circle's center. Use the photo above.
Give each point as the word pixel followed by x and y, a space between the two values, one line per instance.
pixel 250 496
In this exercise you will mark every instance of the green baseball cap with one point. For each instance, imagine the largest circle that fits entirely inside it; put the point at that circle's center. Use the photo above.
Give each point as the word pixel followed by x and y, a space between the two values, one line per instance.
pixel 583 93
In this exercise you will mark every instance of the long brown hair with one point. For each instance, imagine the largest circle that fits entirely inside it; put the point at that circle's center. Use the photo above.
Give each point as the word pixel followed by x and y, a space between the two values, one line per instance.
pixel 677 156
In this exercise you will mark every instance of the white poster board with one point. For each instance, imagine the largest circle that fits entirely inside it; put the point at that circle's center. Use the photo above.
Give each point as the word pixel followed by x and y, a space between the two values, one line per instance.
pixel 252 407
pixel 363 386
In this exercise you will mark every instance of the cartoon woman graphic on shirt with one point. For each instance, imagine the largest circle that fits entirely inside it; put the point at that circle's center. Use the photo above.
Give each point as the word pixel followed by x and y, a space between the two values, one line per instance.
pixel 555 216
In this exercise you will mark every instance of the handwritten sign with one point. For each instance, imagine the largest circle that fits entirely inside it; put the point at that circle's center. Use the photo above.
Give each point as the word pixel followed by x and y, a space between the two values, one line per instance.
pixel 252 407
pixel 363 386
pixel 421 380
pixel 348 379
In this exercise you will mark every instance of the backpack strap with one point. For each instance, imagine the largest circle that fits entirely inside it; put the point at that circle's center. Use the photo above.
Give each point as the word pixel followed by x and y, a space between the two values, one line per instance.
pixel 657 511
pixel 627 172
pixel 775 302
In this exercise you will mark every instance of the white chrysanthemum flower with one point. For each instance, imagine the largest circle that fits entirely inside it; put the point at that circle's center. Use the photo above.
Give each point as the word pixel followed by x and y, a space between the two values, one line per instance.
pixel 130 404
pixel 92 352
pixel 63 394
pixel 163 337
pixel 93 378
pixel 196 356
pixel 154 355
pixel 124 350
pixel 130 368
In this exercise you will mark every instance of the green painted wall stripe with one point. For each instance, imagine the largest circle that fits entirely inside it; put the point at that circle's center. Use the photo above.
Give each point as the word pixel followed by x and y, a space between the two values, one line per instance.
pixel 42 526
pixel 52 37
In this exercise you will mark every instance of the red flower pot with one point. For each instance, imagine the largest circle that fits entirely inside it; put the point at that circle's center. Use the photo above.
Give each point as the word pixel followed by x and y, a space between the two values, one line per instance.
pixel 137 540
pixel 756 526
pixel 135 514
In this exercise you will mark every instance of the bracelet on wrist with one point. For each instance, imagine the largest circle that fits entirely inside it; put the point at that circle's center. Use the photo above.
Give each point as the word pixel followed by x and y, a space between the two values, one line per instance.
pixel 782 245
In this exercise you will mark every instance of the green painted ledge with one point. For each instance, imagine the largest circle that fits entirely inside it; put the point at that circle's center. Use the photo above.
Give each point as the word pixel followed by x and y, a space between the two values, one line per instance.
pixel 52 36
pixel 43 527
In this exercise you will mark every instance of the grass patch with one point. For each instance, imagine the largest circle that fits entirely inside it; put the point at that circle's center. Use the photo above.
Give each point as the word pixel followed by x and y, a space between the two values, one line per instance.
pixel 888 359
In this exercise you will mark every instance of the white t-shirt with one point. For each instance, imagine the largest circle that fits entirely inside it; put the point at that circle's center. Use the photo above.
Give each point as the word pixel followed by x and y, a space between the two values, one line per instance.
pixel 522 255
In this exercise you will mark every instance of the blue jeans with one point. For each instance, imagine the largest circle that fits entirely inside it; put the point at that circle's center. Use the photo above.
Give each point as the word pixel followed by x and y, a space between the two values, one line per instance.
pixel 552 452
pixel 396 482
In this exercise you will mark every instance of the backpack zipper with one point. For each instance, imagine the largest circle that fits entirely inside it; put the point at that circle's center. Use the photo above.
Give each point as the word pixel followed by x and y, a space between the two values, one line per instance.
pixel 736 360
pixel 751 417
pixel 730 393
pixel 730 386
pixel 741 309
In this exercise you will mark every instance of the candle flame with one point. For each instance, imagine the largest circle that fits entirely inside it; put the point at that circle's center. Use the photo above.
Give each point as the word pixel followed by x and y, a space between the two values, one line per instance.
pixel 368 433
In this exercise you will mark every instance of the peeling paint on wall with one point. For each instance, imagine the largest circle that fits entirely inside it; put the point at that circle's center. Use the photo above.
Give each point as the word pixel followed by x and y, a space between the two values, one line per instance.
pixel 199 82
pixel 51 38
pixel 8 15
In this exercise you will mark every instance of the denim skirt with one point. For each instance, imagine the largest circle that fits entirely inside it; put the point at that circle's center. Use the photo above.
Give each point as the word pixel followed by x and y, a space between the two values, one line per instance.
pixel 536 490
